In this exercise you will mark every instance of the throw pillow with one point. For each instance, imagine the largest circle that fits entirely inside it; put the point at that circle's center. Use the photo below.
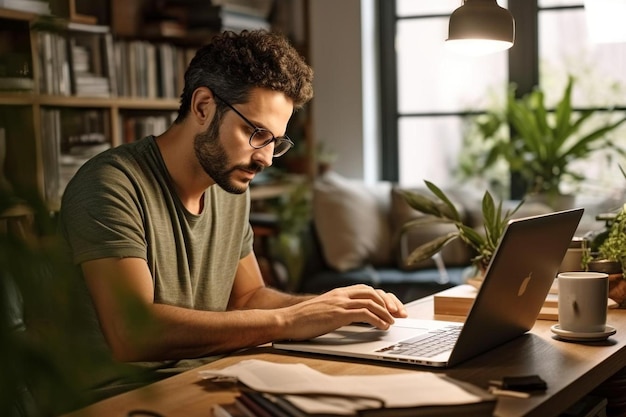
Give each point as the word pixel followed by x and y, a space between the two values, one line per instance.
pixel 351 221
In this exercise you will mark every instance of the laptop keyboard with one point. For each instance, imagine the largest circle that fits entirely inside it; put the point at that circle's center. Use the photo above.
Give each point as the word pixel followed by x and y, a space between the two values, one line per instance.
pixel 428 344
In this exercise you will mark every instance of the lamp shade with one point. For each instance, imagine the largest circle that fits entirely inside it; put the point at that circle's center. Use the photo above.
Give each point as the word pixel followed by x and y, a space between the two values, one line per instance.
pixel 480 27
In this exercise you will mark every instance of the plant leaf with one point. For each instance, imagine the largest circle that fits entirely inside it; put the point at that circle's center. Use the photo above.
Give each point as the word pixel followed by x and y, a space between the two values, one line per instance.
pixel 454 214
pixel 427 250
pixel 421 203
pixel 423 221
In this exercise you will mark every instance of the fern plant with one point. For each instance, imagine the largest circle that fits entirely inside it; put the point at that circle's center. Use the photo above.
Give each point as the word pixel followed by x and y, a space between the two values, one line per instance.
pixel 440 209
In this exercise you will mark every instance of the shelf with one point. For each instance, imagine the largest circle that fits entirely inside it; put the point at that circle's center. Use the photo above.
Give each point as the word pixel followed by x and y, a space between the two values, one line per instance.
pixel 17 99
pixel 69 69
pixel 129 103
pixel 17 15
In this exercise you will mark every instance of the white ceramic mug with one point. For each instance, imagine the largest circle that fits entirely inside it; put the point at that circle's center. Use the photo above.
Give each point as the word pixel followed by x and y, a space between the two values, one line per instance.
pixel 583 301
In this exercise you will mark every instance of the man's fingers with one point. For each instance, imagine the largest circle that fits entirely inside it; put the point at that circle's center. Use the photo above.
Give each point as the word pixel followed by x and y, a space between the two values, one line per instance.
pixel 366 316
pixel 393 304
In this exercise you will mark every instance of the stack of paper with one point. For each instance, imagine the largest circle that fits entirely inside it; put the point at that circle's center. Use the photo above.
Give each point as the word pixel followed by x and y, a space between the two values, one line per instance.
pixel 296 389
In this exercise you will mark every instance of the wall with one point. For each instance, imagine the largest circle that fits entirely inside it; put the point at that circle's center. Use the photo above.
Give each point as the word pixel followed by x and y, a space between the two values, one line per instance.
pixel 344 112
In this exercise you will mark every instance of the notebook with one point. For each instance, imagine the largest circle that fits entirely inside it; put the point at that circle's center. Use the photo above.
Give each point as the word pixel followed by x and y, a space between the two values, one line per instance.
pixel 515 286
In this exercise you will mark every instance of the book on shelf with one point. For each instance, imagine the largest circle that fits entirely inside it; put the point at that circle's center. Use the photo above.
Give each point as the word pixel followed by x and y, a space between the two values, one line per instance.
pixel 164 29
pixel 137 127
pixel 146 69
pixel 29 6
pixel 91 75
pixel 194 14
pixel 77 62
pixel 236 21
pixel 72 136
pixel 17 84
pixel 457 301
pixel 259 8
pixel 50 150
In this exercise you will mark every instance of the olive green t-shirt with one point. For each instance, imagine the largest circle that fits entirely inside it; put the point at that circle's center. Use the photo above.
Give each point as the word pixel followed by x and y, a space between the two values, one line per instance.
pixel 122 203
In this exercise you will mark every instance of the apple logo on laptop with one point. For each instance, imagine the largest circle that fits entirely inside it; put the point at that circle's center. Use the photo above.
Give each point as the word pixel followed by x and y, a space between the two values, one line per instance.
pixel 522 288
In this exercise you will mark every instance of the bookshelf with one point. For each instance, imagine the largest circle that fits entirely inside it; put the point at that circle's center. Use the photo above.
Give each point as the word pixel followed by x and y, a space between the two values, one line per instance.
pixel 82 79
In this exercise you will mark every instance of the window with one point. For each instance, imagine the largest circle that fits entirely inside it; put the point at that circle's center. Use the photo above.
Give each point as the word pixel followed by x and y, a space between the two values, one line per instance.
pixel 435 91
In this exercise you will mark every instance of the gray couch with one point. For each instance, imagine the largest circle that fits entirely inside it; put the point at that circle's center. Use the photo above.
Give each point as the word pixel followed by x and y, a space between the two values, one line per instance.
pixel 356 236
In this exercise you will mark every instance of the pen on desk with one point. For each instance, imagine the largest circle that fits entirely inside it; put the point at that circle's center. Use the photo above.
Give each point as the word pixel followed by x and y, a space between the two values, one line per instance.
pixel 508 393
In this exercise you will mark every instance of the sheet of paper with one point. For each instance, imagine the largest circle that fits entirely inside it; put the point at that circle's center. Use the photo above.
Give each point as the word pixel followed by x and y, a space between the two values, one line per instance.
pixel 395 390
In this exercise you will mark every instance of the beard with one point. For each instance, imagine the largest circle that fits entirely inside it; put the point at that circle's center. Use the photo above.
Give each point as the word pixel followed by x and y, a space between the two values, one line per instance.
pixel 214 160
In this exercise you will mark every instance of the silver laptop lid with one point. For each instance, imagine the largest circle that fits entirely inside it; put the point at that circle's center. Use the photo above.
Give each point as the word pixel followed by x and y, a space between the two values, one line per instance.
pixel 517 281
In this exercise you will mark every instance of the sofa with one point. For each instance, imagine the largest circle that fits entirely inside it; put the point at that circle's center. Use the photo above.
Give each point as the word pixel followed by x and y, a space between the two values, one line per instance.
pixel 356 236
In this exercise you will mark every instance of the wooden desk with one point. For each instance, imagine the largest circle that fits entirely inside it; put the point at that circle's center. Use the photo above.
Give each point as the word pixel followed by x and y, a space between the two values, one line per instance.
pixel 571 370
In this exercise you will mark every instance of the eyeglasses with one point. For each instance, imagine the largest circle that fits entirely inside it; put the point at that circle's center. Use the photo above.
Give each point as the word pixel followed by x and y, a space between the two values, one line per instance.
pixel 261 137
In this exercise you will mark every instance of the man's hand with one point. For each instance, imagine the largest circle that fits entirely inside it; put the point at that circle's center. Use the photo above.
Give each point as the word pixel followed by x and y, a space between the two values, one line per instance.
pixel 340 307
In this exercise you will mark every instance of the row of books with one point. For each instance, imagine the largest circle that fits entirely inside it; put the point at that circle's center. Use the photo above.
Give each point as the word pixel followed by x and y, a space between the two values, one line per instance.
pixel 71 137
pixel 29 6
pixel 87 62
pixel 178 18
pixel 150 70
pixel 76 63
pixel 134 127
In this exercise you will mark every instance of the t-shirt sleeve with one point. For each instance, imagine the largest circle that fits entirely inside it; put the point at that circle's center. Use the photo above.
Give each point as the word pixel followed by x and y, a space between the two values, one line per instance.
pixel 246 244
pixel 100 215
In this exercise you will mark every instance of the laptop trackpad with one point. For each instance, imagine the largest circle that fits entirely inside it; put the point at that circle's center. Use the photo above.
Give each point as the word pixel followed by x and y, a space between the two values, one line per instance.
pixel 360 334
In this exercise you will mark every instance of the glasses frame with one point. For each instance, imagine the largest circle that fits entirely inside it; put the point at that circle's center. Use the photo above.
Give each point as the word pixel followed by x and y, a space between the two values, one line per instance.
pixel 280 140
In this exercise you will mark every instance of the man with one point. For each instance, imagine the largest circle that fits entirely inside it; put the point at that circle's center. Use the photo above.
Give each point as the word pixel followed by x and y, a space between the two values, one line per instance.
pixel 163 221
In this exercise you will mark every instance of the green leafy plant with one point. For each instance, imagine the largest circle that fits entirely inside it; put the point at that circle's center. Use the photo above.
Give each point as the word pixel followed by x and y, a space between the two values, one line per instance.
pixel 611 246
pixel 440 209
pixel 46 356
pixel 539 144
pixel 293 212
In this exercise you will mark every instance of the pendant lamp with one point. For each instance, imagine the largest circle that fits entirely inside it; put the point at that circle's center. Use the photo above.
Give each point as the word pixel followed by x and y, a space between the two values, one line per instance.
pixel 480 27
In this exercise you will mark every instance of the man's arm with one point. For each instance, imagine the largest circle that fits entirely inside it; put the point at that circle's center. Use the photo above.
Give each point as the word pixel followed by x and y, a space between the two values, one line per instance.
pixel 118 285
pixel 249 290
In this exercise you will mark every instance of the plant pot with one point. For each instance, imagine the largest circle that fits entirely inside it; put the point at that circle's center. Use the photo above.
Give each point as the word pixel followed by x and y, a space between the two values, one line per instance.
pixel 617 284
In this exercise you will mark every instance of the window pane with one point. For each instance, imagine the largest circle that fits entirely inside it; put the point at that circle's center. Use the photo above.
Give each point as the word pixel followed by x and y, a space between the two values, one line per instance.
pixel 434 79
pixel 420 8
pixel 428 149
pixel 604 187
pixel 559 3
pixel 564 48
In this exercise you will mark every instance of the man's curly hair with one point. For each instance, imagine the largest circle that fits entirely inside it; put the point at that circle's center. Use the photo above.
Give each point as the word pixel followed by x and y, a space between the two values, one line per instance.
pixel 234 63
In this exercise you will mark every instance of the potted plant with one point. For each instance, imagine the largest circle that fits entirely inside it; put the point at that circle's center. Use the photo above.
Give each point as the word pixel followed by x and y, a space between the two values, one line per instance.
pixel 440 209
pixel 538 144
pixel 293 214
pixel 607 253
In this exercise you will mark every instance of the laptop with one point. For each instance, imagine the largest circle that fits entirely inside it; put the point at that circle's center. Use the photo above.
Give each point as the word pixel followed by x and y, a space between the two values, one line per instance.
pixel 510 298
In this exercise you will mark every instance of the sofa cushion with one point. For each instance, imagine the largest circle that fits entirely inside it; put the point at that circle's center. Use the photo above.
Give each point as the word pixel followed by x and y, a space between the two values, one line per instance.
pixel 351 220
pixel 455 253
